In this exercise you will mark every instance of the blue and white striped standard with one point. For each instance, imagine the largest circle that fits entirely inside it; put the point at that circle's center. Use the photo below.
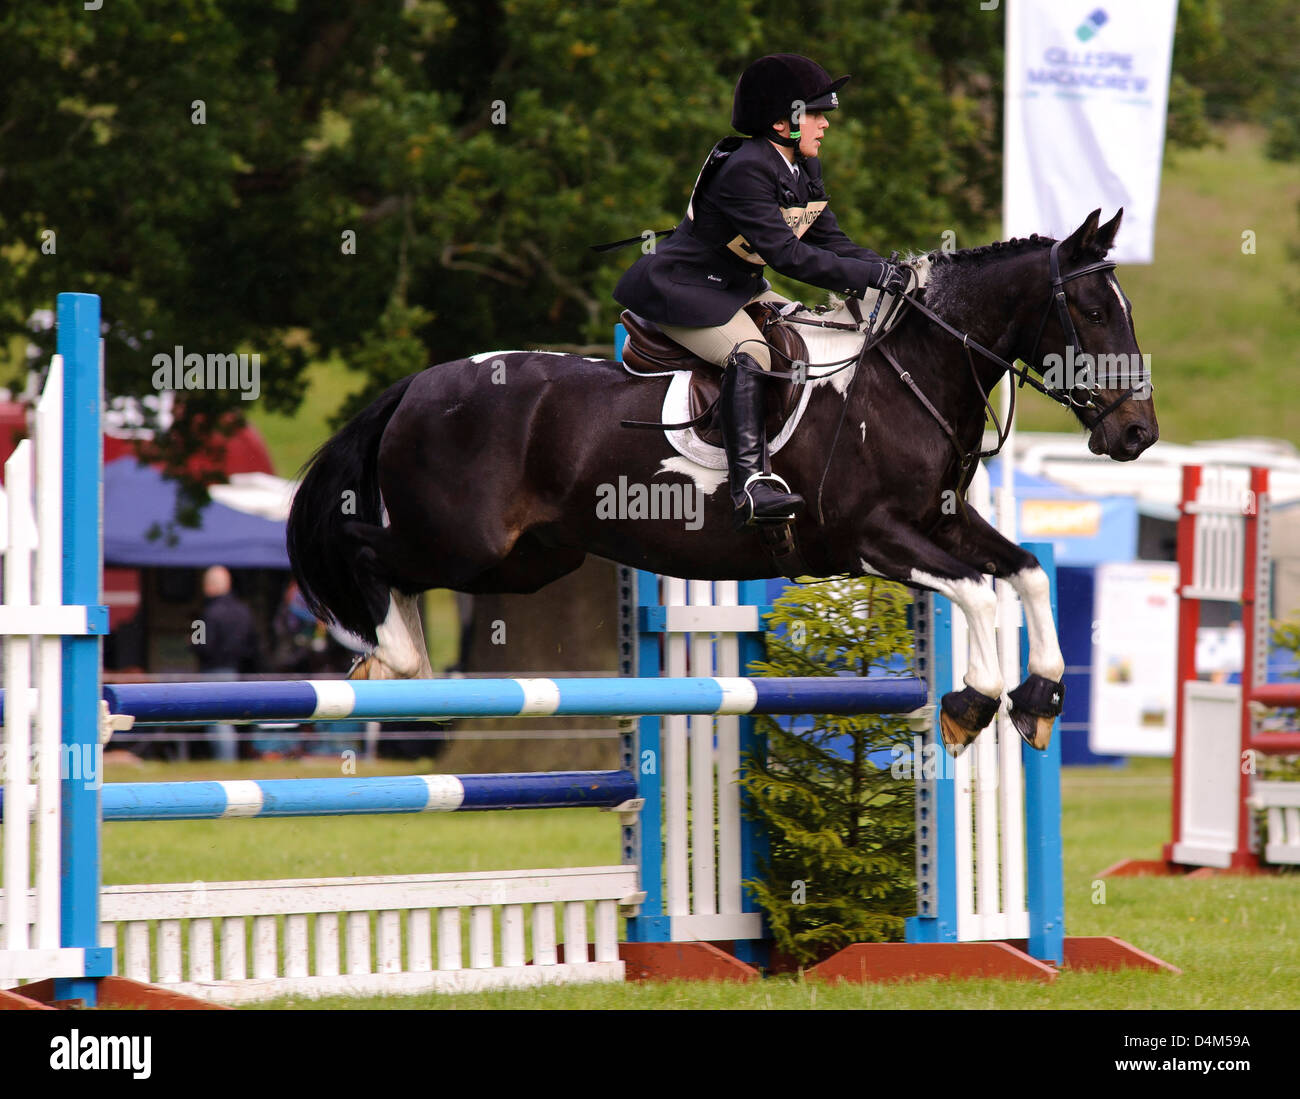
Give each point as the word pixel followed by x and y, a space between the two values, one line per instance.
pixel 332 797
pixel 383 700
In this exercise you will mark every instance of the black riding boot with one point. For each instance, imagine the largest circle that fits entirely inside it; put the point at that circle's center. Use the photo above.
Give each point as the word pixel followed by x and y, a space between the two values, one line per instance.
pixel 758 497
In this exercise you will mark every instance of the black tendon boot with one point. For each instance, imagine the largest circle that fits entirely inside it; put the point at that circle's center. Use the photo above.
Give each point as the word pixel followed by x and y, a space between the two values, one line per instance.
pixel 758 497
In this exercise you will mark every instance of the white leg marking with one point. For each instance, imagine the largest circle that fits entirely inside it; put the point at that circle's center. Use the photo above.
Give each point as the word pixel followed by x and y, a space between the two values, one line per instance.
pixel 401 639
pixel 1035 591
pixel 980 606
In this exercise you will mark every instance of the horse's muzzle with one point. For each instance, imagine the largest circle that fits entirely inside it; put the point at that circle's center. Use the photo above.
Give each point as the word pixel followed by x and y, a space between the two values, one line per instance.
pixel 1126 444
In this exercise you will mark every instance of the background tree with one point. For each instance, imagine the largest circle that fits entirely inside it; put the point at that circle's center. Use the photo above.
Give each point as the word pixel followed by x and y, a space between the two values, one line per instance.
pixel 200 162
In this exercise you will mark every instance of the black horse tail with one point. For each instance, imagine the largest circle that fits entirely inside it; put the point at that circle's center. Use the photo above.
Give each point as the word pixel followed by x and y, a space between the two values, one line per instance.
pixel 340 487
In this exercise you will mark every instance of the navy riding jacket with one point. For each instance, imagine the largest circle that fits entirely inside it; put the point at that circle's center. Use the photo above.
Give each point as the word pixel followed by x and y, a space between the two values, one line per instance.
pixel 747 210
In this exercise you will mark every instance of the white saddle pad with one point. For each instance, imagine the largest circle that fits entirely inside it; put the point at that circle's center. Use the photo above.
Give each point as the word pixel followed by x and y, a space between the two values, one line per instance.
pixel 825 346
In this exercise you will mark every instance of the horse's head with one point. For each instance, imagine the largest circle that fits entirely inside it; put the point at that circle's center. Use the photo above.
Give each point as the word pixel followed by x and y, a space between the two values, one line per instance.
pixel 1086 346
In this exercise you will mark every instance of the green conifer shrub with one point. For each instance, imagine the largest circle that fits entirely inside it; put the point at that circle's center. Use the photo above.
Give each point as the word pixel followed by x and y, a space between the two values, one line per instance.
pixel 841 863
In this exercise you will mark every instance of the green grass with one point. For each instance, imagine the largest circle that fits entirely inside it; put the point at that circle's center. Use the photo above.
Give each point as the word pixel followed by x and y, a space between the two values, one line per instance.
pixel 1233 937
pixel 311 847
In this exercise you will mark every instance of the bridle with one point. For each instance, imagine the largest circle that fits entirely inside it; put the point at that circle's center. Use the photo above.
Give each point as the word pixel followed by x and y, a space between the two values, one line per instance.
pixel 1072 340
pixel 1065 396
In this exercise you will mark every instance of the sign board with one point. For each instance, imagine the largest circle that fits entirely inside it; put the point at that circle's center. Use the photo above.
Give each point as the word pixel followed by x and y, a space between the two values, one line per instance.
pixel 1134 659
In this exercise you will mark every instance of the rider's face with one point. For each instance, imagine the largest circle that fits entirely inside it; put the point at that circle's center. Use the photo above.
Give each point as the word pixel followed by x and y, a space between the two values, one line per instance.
pixel 815 124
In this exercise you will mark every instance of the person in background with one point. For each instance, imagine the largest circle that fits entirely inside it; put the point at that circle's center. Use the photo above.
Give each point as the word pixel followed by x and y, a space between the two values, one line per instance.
pixel 226 645
pixel 125 647
pixel 297 638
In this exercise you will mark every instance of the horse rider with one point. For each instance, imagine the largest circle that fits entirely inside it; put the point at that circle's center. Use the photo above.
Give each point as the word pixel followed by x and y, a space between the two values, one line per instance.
pixel 757 201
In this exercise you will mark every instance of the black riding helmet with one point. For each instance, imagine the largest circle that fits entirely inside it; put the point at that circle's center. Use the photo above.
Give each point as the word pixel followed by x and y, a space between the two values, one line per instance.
pixel 772 88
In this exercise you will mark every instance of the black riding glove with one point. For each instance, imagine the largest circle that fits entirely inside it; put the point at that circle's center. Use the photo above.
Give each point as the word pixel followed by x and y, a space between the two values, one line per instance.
pixel 891 279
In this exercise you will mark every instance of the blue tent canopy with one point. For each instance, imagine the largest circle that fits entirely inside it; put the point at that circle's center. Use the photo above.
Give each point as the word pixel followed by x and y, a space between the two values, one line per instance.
pixel 137 498
pixel 1083 529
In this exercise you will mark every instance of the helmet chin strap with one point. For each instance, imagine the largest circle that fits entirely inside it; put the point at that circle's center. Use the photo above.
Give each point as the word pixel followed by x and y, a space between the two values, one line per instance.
pixel 791 142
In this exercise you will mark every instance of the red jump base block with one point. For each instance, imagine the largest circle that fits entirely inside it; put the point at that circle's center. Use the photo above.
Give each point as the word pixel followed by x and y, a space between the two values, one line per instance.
pixel 1107 952
pixel 683 961
pixel 863 962
pixel 963 961
pixel 114 992
pixel 1008 960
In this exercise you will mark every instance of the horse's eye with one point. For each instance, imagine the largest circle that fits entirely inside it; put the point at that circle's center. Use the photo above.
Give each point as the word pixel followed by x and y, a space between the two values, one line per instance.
pixel 1094 315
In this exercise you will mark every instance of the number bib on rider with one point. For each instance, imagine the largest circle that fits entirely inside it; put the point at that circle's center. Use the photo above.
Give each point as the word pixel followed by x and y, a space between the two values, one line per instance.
pixel 797 217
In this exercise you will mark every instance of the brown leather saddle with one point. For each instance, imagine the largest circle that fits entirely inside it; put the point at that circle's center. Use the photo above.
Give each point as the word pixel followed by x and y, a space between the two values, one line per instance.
pixel 649 350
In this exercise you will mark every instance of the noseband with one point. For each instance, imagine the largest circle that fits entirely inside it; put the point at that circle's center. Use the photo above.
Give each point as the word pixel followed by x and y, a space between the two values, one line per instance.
pixel 1068 396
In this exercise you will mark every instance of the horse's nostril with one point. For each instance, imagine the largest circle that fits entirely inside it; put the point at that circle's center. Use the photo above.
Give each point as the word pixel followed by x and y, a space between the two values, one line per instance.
pixel 1136 437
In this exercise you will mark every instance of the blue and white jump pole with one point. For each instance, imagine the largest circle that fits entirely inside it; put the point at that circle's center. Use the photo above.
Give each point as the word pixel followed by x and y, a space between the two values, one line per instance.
pixel 55 609
pixel 386 700
pixel 354 796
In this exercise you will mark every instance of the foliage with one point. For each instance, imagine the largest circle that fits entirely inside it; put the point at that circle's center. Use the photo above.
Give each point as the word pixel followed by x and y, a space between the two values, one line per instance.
pixel 1240 57
pixel 199 163
pixel 1286 635
pixel 840 823
pixel 475 149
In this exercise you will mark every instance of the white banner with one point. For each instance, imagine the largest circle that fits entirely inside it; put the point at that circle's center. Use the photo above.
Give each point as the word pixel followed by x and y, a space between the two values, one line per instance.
pixel 1086 94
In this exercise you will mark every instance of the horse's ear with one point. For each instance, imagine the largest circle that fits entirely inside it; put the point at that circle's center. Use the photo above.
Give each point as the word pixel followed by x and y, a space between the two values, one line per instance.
pixel 1083 238
pixel 1106 234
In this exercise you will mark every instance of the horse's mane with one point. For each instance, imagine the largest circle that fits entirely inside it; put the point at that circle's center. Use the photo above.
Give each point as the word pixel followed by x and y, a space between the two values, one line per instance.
pixel 953 293
pixel 1000 249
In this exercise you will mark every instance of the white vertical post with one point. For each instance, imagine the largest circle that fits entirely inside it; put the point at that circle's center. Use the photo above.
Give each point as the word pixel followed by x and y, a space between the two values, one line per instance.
pixel 976 824
pixel 512 935
pixel 419 952
pixel 575 933
pixel 49 667
pixel 703 830
pixel 544 934
pixel 449 947
pixel 327 944
pixel 296 955
pixel 727 663
pixel 677 880
pixel 1012 814
pixel 963 826
pixel 18 717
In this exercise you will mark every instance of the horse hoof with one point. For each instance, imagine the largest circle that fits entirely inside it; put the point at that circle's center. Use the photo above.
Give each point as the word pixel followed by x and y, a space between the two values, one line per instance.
pixel 963 715
pixel 955 737
pixel 1035 705
pixel 1034 731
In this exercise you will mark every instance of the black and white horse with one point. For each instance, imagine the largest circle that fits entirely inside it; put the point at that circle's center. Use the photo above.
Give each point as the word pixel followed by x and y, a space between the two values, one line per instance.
pixel 495 473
